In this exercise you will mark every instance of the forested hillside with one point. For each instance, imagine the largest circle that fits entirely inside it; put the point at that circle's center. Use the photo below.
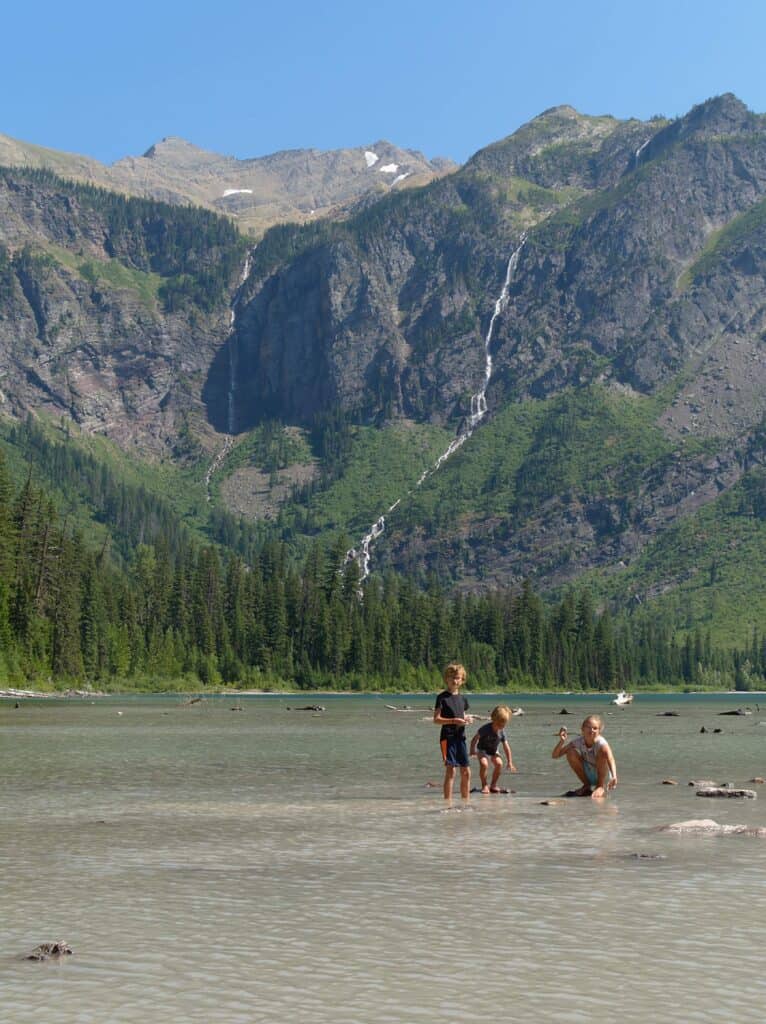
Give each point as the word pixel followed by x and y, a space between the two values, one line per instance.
pixel 147 604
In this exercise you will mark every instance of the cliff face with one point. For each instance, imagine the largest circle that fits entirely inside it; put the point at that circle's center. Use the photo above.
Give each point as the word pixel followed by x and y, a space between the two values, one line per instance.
pixel 387 313
pixel 643 270
pixel 90 323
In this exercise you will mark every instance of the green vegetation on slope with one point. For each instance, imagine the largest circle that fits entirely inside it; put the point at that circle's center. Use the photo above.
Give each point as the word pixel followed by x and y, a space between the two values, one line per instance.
pixel 591 441
pixel 196 253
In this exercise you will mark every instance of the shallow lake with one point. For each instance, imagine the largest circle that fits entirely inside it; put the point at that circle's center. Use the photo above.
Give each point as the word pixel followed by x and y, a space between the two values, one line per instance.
pixel 265 865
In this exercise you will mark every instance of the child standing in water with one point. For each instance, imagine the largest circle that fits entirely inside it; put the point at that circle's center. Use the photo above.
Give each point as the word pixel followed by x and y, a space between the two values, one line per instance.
pixel 450 713
pixel 485 745
pixel 590 757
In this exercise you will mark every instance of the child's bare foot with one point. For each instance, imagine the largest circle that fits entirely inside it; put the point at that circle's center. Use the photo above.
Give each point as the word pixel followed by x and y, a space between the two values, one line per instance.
pixel 598 793
pixel 485 789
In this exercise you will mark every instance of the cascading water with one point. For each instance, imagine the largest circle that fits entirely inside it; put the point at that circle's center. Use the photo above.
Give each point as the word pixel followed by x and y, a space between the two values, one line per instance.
pixel 641 148
pixel 231 421
pixel 478 412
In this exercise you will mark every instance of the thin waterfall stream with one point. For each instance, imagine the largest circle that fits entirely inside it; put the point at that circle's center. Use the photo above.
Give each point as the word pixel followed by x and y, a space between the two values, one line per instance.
pixel 362 554
pixel 231 421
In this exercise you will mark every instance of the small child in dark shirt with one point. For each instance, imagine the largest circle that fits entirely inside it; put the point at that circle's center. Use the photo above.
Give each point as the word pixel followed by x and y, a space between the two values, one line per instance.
pixel 485 745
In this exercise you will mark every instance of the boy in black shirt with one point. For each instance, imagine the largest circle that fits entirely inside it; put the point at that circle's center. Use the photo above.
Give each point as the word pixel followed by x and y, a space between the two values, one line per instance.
pixel 450 713
pixel 485 744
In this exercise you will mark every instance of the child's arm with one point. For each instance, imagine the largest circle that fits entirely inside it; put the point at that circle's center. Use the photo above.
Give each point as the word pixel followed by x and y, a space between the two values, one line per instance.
pixel 440 720
pixel 509 757
pixel 558 750
pixel 612 767
pixel 474 742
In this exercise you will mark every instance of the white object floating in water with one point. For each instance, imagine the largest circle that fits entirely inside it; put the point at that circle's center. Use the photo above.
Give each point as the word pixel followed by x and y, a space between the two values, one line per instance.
pixel 237 192
pixel 389 168
pixel 622 699
pixel 371 158
pixel 119 712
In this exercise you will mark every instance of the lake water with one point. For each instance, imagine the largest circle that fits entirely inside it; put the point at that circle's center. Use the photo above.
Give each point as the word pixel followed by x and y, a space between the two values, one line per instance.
pixel 272 866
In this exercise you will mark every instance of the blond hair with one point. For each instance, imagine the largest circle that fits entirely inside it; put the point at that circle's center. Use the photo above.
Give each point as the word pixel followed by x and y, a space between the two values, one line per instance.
pixel 596 719
pixel 501 714
pixel 454 671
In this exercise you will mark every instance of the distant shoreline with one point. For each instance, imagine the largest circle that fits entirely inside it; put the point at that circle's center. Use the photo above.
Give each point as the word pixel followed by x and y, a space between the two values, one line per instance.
pixel 13 693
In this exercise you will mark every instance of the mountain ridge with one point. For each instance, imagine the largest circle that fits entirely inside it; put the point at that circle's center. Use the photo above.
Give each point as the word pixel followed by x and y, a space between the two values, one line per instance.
pixel 626 392
pixel 290 185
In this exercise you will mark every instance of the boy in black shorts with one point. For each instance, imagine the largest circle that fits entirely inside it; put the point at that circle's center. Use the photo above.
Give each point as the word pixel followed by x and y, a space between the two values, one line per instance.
pixel 485 745
pixel 450 713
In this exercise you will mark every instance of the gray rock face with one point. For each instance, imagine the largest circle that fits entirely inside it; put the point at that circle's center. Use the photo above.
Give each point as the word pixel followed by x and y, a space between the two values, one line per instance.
pixel 83 332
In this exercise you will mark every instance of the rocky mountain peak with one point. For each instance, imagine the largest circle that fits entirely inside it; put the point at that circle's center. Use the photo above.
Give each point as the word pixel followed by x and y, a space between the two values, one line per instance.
pixel 176 152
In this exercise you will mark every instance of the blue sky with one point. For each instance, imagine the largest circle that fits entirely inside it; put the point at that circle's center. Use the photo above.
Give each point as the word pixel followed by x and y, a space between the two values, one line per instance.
pixel 446 78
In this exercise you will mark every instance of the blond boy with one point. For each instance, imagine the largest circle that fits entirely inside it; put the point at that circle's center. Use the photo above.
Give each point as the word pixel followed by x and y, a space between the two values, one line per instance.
pixel 484 745
pixel 450 712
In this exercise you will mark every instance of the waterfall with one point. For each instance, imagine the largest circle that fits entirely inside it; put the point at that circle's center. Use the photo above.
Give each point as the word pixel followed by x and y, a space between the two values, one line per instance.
pixel 640 150
pixel 231 420
pixel 477 414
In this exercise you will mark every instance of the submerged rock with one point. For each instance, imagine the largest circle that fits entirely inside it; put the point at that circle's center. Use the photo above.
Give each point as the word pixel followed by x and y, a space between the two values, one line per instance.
pixel 706 826
pixel 49 950
pixel 757 780
pixel 668 714
pixel 718 791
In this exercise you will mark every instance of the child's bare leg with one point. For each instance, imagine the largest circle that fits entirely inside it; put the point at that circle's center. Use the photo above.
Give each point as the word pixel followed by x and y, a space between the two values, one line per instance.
pixel 497 768
pixel 465 782
pixel 483 766
pixel 449 778
pixel 575 763
pixel 602 771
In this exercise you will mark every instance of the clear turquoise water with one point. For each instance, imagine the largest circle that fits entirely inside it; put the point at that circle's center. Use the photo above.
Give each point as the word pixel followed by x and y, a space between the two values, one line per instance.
pixel 265 865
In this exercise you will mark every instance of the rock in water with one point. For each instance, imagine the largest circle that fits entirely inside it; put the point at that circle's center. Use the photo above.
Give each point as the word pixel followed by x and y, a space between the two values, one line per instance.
pixel 708 827
pixel 747 794
pixel 49 950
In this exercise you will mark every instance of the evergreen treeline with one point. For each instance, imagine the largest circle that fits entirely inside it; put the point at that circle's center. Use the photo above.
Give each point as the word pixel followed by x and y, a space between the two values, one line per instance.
pixel 196 251
pixel 178 610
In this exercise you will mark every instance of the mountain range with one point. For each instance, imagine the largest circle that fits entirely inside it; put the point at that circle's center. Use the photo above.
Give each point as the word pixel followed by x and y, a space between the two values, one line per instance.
pixel 293 185
pixel 582 306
